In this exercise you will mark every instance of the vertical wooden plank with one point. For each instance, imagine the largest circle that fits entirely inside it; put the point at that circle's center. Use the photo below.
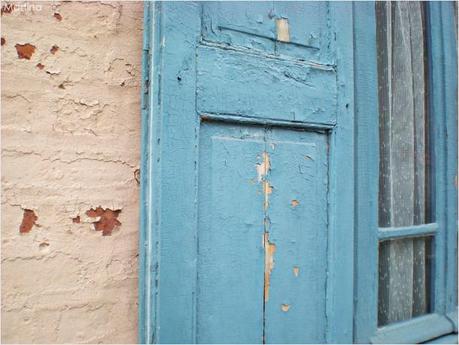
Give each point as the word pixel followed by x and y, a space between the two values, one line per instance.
pixel 295 309
pixel 178 125
pixel 449 23
pixel 340 289
pixel 231 254
pixel 437 150
pixel 367 170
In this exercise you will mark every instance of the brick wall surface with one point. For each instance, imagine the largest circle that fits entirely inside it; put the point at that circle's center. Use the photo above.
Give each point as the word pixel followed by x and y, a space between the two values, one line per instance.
pixel 70 78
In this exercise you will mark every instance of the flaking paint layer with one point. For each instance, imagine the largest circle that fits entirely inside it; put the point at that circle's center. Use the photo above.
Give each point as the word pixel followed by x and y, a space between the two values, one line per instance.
pixel 70 144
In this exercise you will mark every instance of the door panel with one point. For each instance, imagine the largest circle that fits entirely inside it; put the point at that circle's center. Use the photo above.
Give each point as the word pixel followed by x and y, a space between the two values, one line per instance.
pixel 296 28
pixel 247 24
pixel 297 214
pixel 249 227
pixel 230 233
pixel 309 92
pixel 262 235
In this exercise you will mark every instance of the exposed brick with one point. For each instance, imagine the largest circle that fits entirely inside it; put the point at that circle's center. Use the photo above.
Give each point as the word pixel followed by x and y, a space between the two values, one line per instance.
pixel 108 219
pixel 25 51
pixel 28 221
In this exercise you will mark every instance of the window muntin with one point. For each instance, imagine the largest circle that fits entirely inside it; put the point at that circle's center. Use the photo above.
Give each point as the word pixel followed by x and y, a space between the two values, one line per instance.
pixel 404 264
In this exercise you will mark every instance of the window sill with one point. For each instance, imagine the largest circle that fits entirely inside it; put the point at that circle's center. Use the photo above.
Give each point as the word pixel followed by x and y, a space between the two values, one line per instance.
pixel 418 330
pixel 446 339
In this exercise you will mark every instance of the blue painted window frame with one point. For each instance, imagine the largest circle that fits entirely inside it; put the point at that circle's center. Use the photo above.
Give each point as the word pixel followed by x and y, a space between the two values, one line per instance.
pixel 442 50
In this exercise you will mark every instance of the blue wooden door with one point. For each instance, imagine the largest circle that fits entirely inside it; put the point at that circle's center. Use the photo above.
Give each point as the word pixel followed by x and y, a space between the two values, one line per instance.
pixel 249 192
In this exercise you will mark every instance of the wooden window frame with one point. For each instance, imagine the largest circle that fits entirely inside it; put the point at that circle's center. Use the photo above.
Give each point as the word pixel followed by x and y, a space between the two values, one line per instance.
pixel 442 66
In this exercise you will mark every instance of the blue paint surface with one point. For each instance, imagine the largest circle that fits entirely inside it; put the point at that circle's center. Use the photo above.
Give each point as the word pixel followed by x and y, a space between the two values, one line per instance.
pixel 295 311
pixel 236 250
pixel 443 153
pixel 309 91
pixel 230 234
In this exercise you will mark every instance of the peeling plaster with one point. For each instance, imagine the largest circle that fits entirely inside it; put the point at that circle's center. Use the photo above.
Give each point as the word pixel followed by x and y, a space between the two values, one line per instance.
pixel 70 143
pixel 25 51
pixel 29 220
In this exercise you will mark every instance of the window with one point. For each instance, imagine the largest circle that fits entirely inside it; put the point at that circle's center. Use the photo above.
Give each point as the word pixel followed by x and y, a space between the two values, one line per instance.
pixel 404 263
pixel 405 221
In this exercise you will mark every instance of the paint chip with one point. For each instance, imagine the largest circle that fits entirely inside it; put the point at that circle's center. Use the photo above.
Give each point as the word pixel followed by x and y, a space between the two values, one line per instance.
pixel 283 34
pixel 40 65
pixel 58 16
pixel 285 307
pixel 54 49
pixel 76 220
pixel 43 247
pixel 3 41
pixel 267 190
pixel 270 249
pixel 294 203
pixel 263 167
pixel 25 51
pixel 296 271
pixel 28 221
pixel 108 219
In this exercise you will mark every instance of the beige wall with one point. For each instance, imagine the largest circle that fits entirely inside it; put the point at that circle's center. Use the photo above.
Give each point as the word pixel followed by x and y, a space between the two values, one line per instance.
pixel 70 143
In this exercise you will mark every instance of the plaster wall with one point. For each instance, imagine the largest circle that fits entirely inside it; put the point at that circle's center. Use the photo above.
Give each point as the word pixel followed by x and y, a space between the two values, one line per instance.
pixel 70 126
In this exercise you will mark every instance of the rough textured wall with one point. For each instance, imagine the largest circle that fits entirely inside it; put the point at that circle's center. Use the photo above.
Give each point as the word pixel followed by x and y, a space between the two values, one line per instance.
pixel 70 150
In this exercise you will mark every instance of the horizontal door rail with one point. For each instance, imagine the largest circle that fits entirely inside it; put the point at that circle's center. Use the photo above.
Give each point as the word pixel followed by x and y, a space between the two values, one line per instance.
pixel 407 231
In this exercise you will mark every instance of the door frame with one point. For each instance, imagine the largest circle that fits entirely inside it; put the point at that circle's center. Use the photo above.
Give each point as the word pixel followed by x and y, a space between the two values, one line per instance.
pixel 168 27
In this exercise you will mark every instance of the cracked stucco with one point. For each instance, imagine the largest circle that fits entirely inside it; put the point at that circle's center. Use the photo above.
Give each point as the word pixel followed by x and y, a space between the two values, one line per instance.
pixel 70 142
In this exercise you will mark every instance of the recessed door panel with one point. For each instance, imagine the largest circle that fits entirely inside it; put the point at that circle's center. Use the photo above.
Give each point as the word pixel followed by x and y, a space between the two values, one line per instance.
pixel 262 235
pixel 230 233
pixel 295 311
